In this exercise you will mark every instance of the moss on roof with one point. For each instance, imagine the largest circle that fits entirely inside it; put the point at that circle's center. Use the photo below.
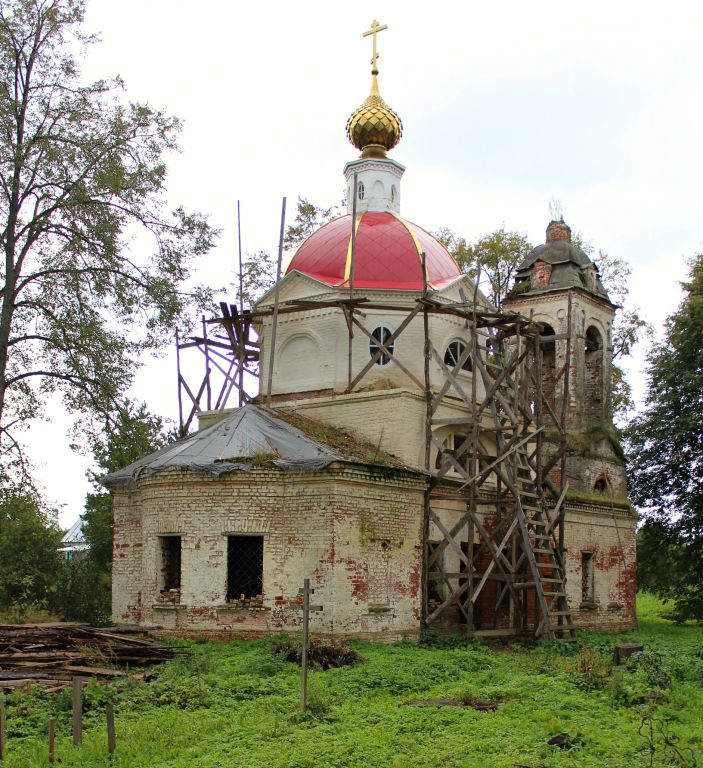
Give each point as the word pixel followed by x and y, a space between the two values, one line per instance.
pixel 340 441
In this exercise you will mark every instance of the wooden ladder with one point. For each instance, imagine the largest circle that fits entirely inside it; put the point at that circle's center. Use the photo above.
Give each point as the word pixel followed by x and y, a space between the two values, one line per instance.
pixel 542 552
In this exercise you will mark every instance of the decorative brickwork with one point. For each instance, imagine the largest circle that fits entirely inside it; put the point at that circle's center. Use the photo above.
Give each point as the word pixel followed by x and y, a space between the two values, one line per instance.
pixel 355 531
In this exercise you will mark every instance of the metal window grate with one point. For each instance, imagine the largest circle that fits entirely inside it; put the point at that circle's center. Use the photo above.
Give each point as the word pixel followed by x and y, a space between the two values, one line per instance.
pixel 245 566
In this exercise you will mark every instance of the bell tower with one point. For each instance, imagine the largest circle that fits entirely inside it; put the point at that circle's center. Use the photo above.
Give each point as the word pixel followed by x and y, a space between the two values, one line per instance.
pixel 559 285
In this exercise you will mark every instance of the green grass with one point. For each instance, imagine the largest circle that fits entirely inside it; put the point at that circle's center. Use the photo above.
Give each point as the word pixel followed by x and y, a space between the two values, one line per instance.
pixel 238 705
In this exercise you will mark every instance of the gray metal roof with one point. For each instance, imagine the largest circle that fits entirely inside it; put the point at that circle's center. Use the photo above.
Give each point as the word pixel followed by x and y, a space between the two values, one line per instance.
pixel 246 432
pixel 74 539
pixel 568 262
pixel 555 252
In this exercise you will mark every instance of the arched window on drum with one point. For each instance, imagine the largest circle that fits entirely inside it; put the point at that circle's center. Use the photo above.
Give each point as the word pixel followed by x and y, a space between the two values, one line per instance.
pixel 457 355
pixel 381 336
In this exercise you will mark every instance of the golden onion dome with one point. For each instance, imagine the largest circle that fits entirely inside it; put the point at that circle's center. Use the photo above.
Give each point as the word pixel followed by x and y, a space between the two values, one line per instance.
pixel 374 127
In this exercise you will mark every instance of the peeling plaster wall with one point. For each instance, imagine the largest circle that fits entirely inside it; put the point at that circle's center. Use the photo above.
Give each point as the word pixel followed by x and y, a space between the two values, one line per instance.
pixel 354 531
pixel 608 533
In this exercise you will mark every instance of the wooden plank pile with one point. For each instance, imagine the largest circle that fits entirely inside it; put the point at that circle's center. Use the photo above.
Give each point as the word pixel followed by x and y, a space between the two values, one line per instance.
pixel 50 655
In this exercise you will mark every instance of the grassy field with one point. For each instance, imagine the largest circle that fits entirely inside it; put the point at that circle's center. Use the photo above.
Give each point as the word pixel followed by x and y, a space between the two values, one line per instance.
pixel 237 705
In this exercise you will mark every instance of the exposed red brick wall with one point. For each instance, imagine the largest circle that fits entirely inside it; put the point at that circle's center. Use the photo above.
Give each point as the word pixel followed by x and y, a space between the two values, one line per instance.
pixel 354 531
pixel 558 230
pixel 541 273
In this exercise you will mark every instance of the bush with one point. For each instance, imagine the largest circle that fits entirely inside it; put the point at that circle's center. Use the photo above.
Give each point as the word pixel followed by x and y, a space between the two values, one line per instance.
pixel 83 593
pixel 652 666
pixel 320 655
pixel 29 541
pixel 590 668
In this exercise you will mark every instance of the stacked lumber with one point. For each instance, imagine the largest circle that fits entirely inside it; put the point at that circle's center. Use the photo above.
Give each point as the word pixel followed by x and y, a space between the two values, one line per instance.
pixel 51 655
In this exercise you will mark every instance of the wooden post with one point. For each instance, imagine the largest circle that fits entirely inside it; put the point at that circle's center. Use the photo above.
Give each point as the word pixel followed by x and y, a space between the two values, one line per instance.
pixel 305 592
pixel 428 442
pixel 274 320
pixel 304 659
pixel 241 300
pixel 208 388
pixel 351 285
pixel 181 431
pixel 564 416
pixel 77 711
pixel 52 739
pixel 2 727
pixel 110 712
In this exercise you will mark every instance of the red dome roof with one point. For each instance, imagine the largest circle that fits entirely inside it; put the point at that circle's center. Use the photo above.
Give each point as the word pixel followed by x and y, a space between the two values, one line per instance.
pixel 387 254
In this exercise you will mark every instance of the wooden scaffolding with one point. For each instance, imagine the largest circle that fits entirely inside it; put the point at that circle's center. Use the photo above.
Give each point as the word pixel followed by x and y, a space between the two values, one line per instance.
pixel 498 568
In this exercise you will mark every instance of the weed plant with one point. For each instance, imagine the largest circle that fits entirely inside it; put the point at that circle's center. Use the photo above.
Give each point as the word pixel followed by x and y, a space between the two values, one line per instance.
pixel 239 705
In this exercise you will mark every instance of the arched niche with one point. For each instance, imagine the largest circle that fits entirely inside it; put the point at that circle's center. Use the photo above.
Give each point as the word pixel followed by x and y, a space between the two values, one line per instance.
pixel 602 484
pixel 594 372
pixel 298 366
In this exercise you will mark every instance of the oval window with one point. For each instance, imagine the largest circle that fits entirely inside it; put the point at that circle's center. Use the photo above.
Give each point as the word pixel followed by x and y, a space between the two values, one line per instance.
pixel 381 334
pixel 454 352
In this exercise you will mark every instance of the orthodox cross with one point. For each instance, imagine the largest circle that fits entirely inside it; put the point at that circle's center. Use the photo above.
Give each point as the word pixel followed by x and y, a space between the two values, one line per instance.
pixel 305 606
pixel 375 29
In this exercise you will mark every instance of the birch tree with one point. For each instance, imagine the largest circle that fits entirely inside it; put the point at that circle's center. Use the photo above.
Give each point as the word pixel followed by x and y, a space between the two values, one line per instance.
pixel 82 174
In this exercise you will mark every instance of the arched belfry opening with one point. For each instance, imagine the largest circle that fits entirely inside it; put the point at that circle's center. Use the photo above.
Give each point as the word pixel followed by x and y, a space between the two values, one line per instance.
pixel 549 363
pixel 594 364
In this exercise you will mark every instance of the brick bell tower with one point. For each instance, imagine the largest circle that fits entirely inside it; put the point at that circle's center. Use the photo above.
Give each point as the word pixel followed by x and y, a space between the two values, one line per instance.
pixel 560 285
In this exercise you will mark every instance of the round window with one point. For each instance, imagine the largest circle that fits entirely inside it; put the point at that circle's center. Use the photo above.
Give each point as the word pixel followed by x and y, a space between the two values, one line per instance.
pixel 455 352
pixel 381 335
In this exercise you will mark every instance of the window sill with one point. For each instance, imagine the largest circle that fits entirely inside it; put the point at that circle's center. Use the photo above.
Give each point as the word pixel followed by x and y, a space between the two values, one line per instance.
pixel 238 606
pixel 169 607
pixel 379 608
pixel 588 606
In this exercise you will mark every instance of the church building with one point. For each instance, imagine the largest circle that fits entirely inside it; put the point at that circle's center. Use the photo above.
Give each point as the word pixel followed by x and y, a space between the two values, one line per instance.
pixel 426 459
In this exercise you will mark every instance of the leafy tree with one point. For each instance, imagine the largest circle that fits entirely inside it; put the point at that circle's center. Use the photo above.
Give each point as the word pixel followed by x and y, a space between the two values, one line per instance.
pixel 493 258
pixel 657 548
pixel 628 325
pixel 259 269
pixel 133 434
pixel 309 218
pixel 666 454
pixel 81 173
pixel 85 585
pixel 29 541
pixel 458 247
pixel 258 276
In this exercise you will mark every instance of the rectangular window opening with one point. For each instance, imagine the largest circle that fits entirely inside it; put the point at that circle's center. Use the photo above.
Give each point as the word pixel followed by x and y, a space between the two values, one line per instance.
pixel 588 586
pixel 245 567
pixel 170 572
pixel 434 586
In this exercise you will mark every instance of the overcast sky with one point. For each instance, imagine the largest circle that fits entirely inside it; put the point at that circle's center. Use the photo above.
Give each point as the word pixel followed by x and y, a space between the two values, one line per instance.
pixel 504 104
